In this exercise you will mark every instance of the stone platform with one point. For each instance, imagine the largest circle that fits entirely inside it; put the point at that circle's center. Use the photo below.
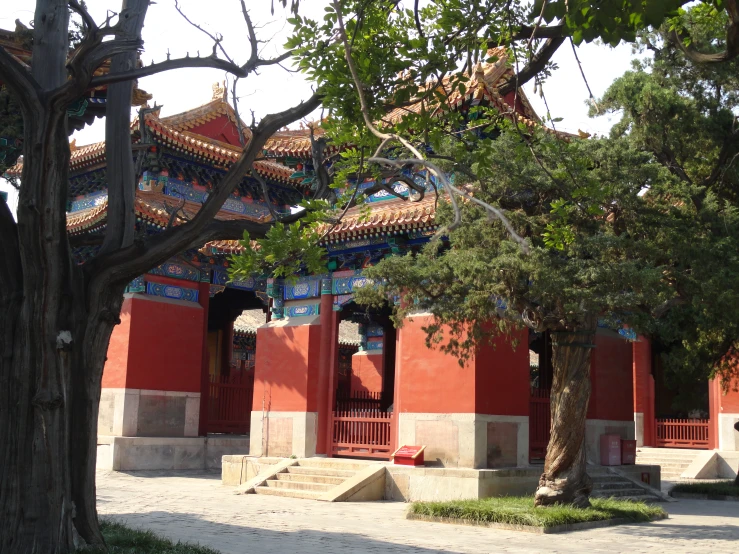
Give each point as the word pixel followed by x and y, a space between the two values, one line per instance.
pixel 166 453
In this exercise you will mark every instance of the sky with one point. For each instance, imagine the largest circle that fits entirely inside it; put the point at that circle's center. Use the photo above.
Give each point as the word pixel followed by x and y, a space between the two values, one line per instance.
pixel 275 89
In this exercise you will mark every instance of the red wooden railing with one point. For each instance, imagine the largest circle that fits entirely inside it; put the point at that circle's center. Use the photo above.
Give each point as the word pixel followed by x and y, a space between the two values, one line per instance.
pixel 682 433
pixel 540 423
pixel 364 434
pixel 359 400
pixel 229 406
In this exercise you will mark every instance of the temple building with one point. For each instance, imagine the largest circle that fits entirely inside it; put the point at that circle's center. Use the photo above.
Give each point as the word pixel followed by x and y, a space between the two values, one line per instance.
pixel 201 366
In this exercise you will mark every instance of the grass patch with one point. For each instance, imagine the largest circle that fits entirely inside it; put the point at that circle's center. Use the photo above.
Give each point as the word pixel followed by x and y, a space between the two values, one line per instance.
pixel 124 540
pixel 516 510
pixel 723 488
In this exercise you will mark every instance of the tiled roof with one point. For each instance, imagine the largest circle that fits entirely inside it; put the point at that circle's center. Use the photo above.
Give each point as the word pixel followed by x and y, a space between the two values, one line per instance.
pixel 152 207
pixel 17 44
pixel 388 216
pixel 294 142
pixel 391 215
pixel 483 85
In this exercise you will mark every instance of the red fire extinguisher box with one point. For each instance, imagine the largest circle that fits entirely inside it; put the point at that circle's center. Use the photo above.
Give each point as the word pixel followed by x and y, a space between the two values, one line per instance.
pixel 628 452
pixel 610 450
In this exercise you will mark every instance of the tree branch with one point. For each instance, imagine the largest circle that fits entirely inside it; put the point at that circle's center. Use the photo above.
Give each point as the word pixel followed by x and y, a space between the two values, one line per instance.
pixel 732 40
pixel 19 81
pixel 87 19
pixel 187 62
pixel 532 68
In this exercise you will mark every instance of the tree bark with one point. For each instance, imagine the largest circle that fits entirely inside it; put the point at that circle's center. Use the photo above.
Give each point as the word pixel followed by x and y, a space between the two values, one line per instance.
pixel 565 480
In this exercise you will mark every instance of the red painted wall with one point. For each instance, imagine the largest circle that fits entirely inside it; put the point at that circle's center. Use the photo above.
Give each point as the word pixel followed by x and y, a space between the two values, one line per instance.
pixel 116 363
pixel 495 381
pixel 641 370
pixel 611 369
pixel 220 129
pixel 367 372
pixel 286 368
pixel 429 381
pixel 157 346
pixel 729 401
pixel 503 377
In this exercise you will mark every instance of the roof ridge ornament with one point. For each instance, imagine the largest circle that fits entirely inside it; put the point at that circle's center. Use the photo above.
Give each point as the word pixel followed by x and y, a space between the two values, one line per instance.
pixel 220 92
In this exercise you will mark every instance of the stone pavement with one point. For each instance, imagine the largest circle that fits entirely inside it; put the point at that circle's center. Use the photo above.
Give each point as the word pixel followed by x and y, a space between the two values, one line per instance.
pixel 194 507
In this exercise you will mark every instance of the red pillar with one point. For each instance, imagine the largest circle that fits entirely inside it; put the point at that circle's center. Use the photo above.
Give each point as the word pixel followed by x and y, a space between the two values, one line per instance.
pixel 204 301
pixel 324 364
pixel 643 384
pixel 333 378
pixel 714 401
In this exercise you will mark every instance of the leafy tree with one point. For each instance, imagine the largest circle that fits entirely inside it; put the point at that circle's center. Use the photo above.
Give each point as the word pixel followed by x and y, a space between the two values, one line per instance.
pixel 56 317
pixel 683 113
pixel 579 239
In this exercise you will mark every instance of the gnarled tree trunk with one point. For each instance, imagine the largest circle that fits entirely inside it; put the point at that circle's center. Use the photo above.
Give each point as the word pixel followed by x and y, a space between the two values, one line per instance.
pixel 565 480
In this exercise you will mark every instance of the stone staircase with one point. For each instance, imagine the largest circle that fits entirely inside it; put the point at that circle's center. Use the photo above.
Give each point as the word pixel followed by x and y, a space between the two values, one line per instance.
pixel 607 484
pixel 672 461
pixel 311 478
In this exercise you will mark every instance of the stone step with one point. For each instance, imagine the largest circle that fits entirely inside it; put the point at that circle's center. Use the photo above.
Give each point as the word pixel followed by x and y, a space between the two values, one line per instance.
pixel 617 493
pixel 610 486
pixel 310 478
pixel 664 460
pixel 606 478
pixel 290 493
pixel 299 485
pixel 333 463
pixel 300 470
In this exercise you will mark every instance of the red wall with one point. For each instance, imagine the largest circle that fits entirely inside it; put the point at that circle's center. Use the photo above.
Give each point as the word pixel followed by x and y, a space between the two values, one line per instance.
pixel 642 369
pixel 286 368
pixel 429 381
pixel 157 346
pixel 367 372
pixel 729 401
pixel 503 378
pixel 219 128
pixel 495 381
pixel 611 370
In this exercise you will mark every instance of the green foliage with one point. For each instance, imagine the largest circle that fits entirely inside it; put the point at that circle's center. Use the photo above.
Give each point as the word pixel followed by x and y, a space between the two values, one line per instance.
pixel 723 488
pixel 121 539
pixel 684 114
pixel 514 510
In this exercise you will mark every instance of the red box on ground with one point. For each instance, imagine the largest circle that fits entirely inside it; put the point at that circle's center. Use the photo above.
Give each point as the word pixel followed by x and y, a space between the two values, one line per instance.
pixel 409 456
pixel 610 450
pixel 628 452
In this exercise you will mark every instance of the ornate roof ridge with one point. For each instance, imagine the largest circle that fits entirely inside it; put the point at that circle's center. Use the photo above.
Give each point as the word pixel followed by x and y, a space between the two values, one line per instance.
pixel 149 205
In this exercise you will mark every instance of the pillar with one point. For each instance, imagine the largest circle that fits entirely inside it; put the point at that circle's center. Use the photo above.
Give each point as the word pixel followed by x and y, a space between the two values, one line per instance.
pixel 475 415
pixel 204 299
pixel 724 410
pixel 611 408
pixel 324 368
pixel 643 392
pixel 284 417
pixel 153 375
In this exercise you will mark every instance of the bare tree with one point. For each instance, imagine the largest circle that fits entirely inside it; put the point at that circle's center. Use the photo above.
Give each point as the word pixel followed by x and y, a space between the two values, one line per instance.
pixel 56 317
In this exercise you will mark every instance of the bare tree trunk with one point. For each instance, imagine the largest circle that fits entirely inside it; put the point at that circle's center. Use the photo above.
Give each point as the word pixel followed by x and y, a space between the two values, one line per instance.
pixel 565 480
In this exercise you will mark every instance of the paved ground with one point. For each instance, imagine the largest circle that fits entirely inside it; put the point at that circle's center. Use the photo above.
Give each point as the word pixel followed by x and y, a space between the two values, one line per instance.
pixel 194 507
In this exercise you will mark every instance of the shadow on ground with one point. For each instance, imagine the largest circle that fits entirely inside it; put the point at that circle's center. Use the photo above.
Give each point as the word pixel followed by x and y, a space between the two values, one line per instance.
pixel 241 538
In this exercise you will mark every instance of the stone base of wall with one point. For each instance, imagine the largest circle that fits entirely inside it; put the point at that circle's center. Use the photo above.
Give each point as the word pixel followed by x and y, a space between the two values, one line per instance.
pixel 639 428
pixel 728 438
pixel 148 413
pixel 283 434
pixel 597 427
pixel 440 484
pixel 166 453
pixel 467 440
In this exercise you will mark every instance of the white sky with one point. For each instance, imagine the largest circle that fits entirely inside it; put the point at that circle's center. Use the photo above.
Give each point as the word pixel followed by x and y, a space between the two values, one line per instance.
pixel 274 88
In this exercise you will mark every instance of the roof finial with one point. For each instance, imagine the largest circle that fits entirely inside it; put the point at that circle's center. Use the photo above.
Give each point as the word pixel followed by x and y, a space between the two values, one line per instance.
pixel 220 92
